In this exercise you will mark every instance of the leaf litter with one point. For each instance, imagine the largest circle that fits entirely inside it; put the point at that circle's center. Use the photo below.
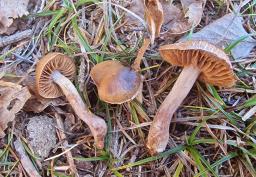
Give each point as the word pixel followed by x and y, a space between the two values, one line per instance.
pixel 12 99
pixel 10 10
pixel 180 20
pixel 175 19
pixel 211 143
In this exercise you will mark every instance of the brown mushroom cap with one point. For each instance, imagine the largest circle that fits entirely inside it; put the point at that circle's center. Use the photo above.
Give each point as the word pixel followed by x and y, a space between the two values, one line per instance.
pixel 51 62
pixel 116 83
pixel 213 63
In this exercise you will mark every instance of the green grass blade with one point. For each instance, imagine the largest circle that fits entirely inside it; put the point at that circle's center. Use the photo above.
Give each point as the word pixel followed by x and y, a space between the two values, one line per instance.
pixel 204 141
pixel 46 13
pixel 91 159
pixel 83 2
pixel 220 161
pixel 196 158
pixel 82 40
pixel 150 159
pixel 55 19
pixel 248 103
pixel 235 43
pixel 215 94
pixel 193 135
pixel 178 169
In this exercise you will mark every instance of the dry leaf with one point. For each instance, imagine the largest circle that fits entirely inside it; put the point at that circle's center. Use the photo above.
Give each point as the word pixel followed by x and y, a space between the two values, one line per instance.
pixel 37 103
pixel 9 10
pixel 152 10
pixel 154 17
pixel 226 31
pixel 177 21
pixel 136 7
pixel 12 100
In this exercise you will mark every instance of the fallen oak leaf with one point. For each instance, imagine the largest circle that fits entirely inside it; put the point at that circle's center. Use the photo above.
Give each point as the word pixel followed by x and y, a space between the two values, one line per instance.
pixel 12 100
pixel 226 31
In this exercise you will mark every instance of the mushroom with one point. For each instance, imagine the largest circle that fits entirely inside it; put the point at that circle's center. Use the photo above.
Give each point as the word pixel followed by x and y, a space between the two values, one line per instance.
pixel 53 74
pixel 117 83
pixel 200 60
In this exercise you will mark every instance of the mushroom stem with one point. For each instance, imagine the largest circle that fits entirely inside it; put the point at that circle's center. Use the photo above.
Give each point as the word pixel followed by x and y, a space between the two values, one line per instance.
pixel 159 131
pixel 96 124
pixel 142 50
pixel 136 65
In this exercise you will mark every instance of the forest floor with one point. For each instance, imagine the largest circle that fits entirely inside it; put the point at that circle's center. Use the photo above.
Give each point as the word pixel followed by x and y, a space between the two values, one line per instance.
pixel 213 133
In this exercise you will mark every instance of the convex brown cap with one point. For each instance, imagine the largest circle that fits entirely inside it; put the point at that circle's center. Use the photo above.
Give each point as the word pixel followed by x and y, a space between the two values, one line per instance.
pixel 46 66
pixel 213 63
pixel 116 83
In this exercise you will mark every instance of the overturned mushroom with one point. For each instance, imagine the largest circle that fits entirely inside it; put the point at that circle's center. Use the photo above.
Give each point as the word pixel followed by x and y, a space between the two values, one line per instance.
pixel 200 60
pixel 117 83
pixel 53 72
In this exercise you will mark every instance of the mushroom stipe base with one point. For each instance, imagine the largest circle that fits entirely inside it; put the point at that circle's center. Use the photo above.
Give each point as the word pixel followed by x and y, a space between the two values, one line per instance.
pixel 54 73
pixel 159 130
pixel 96 124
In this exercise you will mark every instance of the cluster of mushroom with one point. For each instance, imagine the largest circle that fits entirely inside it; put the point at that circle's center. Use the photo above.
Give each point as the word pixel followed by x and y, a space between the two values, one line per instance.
pixel 201 60
pixel 118 84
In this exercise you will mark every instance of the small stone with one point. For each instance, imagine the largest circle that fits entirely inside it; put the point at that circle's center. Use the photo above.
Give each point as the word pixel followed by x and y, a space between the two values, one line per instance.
pixel 41 135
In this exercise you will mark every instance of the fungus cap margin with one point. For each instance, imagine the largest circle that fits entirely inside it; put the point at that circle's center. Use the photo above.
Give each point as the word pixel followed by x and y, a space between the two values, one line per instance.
pixel 213 63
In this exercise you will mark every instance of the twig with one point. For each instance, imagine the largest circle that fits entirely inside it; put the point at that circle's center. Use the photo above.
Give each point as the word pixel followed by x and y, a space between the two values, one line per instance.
pixel 15 37
pixel 24 159
pixel 65 143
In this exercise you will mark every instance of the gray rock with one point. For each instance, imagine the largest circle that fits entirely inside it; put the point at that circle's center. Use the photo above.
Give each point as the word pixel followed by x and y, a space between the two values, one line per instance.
pixel 41 135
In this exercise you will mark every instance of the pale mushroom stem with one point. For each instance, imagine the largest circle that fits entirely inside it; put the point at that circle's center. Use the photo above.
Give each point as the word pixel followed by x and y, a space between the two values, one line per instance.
pixel 159 130
pixel 136 65
pixel 142 50
pixel 96 124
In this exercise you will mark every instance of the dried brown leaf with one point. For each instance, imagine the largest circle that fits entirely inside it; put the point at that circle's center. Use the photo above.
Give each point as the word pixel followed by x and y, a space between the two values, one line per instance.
pixel 12 100
pixel 136 7
pixel 178 21
pixel 9 10
pixel 154 16
pixel 175 20
pixel 36 103
pixel 152 10
pixel 225 31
